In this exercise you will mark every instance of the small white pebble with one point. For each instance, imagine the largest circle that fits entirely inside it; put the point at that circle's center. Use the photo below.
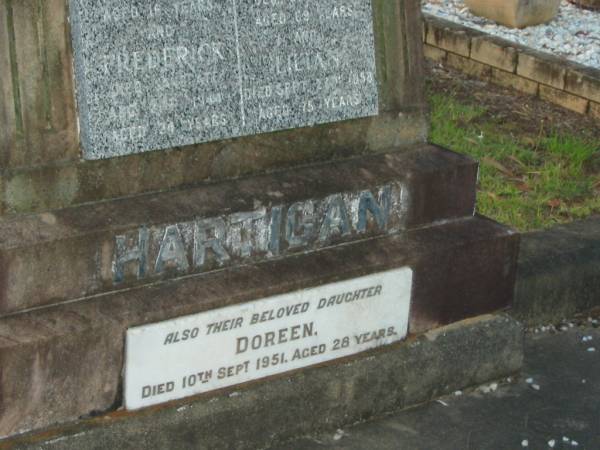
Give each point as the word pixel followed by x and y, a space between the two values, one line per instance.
pixel 338 435
pixel 551 443
pixel 584 381
pixel 591 349
pixel 566 439
pixel 529 381
pixel 489 388
pixel 509 380
pixel 524 443
pixel 571 325
pixel 574 444
pixel 535 387
pixel 458 393
pixel 563 36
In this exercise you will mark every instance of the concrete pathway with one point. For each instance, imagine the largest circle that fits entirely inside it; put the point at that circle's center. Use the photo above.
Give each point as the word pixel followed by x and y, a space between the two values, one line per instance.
pixel 553 403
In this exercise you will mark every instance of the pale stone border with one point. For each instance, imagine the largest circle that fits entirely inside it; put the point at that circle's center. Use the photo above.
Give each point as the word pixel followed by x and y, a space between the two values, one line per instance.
pixel 508 64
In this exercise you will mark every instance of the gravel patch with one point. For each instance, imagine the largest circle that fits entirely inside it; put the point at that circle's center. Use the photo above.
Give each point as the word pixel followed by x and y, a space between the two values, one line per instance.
pixel 574 34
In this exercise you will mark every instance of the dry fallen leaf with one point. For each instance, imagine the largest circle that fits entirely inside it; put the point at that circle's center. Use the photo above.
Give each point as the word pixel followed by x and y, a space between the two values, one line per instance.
pixel 517 160
pixel 491 195
pixel 554 203
pixel 495 164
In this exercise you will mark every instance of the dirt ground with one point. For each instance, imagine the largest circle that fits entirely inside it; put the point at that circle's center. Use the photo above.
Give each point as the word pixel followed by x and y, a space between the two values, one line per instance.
pixel 519 113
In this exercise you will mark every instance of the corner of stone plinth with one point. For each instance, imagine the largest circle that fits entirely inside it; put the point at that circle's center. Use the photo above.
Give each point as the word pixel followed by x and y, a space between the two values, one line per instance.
pixel 485 320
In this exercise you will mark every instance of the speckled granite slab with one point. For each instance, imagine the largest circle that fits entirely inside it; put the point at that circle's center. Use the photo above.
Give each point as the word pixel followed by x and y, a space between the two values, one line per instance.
pixel 163 73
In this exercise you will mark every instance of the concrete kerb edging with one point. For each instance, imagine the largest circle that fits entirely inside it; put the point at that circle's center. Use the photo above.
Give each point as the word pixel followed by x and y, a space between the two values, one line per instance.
pixel 507 64
pixel 558 273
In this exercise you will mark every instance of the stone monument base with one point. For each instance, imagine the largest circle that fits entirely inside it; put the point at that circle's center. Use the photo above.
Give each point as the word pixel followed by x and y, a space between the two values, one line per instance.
pixel 259 415
pixel 149 259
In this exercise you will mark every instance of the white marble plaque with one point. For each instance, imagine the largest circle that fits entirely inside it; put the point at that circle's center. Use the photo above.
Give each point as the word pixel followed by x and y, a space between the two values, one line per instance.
pixel 236 344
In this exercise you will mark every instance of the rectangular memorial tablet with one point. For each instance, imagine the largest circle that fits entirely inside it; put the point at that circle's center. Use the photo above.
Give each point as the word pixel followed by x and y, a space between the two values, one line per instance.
pixel 164 73
pixel 236 344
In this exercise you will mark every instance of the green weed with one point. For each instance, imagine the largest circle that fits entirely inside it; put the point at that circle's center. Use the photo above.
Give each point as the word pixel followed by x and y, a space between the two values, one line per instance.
pixel 527 182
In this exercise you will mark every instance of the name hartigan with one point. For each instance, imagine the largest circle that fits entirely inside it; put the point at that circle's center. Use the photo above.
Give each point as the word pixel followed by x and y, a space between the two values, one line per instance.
pixel 267 232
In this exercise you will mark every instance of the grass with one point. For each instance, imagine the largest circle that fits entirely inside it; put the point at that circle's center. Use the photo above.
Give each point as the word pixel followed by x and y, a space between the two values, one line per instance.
pixel 529 182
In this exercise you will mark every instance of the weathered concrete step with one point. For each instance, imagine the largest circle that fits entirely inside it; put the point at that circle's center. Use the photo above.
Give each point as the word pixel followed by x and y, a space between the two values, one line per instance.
pixel 73 253
pixel 51 356
pixel 558 273
pixel 433 364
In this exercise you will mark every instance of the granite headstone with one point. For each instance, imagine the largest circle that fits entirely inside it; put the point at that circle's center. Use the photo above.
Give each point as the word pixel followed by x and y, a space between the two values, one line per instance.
pixel 160 74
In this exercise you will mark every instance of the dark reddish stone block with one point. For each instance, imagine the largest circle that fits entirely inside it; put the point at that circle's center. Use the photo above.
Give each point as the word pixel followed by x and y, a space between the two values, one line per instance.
pixel 65 362
pixel 49 258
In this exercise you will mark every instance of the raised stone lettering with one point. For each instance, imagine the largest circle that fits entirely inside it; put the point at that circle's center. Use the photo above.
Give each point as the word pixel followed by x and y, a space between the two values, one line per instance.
pixel 203 241
pixel 380 210
pixel 300 224
pixel 266 232
pixel 275 230
pixel 336 219
pixel 126 254
pixel 249 232
pixel 172 254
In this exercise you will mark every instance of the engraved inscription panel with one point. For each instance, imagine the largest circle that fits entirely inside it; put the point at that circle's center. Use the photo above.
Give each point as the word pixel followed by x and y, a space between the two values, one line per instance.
pixel 228 346
pixel 162 73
